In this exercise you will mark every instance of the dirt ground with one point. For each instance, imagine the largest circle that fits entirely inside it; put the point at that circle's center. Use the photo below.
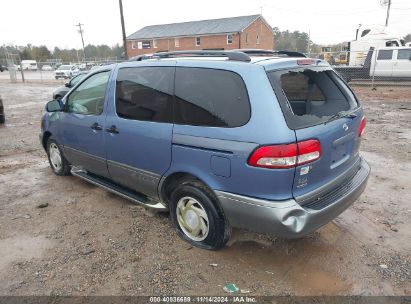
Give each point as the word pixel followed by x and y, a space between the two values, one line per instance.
pixel 90 242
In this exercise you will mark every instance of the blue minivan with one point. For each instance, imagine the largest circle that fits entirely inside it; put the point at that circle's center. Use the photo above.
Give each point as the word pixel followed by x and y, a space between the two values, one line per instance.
pixel 263 140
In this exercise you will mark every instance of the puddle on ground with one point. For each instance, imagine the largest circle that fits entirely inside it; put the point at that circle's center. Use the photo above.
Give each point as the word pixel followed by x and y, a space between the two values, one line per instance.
pixel 296 263
pixel 21 248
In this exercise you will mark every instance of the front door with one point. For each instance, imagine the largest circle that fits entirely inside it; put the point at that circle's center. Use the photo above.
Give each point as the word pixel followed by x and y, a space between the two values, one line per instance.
pixel 82 125
pixel 139 127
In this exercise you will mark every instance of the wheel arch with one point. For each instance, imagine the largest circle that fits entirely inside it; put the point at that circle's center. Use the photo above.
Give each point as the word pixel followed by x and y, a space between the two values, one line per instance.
pixel 46 137
pixel 168 183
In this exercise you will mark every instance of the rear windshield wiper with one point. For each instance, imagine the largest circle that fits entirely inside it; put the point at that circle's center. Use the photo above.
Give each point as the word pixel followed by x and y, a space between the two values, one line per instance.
pixel 341 114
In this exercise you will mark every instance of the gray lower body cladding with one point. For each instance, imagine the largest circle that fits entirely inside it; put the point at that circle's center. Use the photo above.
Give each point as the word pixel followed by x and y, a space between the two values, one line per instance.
pixel 289 219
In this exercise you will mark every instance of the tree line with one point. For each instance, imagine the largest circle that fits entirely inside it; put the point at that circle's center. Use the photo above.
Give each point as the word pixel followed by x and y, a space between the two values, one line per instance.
pixel 283 40
pixel 42 53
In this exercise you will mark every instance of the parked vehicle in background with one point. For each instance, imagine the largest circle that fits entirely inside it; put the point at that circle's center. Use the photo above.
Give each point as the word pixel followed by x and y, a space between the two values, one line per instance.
pixel 46 68
pixel 163 133
pixel 29 65
pixel 371 36
pixel 388 63
pixel 60 92
pixel 66 71
pixel 3 68
pixel 391 62
pixel 2 117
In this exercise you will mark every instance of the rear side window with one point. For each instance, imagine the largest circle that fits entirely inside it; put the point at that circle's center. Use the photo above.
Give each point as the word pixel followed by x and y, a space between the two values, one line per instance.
pixel 209 97
pixel 145 93
pixel 404 54
pixel 384 55
pixel 310 96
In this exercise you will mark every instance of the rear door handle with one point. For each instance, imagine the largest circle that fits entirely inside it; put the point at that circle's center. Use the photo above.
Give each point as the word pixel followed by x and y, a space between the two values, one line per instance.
pixel 96 126
pixel 112 129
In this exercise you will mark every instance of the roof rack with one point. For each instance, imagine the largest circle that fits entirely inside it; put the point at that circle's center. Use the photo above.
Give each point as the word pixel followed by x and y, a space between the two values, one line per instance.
pixel 258 52
pixel 232 55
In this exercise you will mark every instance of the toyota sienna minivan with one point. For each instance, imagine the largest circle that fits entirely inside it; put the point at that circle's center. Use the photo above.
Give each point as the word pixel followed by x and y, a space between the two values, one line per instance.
pixel 263 140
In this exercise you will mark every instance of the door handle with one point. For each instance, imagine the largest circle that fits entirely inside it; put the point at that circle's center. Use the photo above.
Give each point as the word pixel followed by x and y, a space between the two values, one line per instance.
pixel 96 126
pixel 112 129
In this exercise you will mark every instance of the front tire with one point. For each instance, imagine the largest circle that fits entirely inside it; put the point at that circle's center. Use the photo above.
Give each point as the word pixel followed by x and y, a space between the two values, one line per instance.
pixel 197 216
pixel 58 163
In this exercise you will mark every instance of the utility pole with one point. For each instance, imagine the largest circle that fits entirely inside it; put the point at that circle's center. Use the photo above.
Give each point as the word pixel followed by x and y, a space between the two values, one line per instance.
pixel 388 13
pixel 123 28
pixel 308 43
pixel 82 40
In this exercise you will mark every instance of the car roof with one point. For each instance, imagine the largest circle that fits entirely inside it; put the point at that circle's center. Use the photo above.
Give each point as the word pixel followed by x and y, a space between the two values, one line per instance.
pixel 267 62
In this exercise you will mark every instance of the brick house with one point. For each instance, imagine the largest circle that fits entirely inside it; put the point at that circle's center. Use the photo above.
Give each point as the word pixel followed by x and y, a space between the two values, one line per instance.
pixel 246 32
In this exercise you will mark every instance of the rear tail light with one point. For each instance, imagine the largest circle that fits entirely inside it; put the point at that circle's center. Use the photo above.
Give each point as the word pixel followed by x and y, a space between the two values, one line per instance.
pixel 286 156
pixel 362 126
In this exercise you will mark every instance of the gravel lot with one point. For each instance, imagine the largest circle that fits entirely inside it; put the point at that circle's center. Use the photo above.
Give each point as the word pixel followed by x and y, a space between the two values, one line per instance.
pixel 90 242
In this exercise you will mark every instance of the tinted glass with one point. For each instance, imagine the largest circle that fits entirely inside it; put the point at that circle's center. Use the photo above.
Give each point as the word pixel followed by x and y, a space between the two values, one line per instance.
pixel 404 54
pixel 207 97
pixel 297 86
pixel 384 55
pixel 88 97
pixel 77 79
pixel 145 93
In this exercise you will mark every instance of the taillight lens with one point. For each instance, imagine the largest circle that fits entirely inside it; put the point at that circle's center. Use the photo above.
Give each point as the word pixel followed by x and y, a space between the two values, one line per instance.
pixel 305 61
pixel 286 156
pixel 308 151
pixel 362 126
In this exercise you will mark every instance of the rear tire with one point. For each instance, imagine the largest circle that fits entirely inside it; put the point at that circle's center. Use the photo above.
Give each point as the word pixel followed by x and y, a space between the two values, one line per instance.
pixel 197 216
pixel 58 163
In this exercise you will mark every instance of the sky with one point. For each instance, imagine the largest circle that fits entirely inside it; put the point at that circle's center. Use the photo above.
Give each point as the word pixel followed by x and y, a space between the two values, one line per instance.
pixel 52 22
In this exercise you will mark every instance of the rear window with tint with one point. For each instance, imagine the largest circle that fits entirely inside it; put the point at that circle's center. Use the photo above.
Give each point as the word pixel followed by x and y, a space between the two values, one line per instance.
pixel 209 97
pixel 310 96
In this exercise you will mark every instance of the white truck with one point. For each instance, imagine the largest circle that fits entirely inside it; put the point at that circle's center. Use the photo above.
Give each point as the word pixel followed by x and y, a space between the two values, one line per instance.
pixel 386 63
pixel 371 36
pixel 29 65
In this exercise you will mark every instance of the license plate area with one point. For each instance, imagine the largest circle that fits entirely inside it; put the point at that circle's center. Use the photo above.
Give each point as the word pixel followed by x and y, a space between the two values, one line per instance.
pixel 341 150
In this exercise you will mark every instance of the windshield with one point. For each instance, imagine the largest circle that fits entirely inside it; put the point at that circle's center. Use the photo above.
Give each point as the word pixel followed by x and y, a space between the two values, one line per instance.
pixel 310 96
pixel 77 79
pixel 64 67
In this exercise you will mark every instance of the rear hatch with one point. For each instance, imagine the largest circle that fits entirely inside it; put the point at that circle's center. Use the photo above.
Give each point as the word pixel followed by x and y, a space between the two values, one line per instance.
pixel 319 106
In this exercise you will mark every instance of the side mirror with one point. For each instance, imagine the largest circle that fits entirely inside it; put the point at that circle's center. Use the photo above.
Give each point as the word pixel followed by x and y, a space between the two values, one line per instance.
pixel 54 106
pixel 67 85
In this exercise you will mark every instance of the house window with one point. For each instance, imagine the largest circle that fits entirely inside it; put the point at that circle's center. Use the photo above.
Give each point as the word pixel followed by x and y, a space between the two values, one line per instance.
pixel 229 39
pixel 258 39
pixel 154 43
pixel 176 42
pixel 198 41
pixel 134 45
pixel 246 38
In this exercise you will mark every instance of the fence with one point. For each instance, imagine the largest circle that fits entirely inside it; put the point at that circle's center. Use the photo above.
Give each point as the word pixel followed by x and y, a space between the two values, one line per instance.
pixel 24 71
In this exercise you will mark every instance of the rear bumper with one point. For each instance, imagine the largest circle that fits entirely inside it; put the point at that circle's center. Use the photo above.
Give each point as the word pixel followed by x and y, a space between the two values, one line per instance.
pixel 289 219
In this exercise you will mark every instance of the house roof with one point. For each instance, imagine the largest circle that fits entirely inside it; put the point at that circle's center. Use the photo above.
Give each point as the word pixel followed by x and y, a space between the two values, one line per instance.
pixel 193 28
